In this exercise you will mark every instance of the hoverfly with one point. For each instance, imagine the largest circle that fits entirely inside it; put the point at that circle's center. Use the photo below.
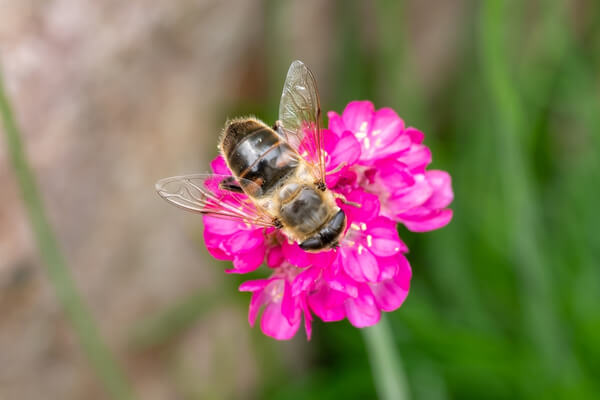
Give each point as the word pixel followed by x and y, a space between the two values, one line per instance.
pixel 278 172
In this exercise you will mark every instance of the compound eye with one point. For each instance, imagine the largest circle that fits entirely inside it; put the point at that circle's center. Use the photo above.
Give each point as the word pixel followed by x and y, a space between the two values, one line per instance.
pixel 312 243
pixel 338 223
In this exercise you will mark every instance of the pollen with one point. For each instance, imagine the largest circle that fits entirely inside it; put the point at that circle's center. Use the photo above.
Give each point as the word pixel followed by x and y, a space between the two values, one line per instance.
pixel 355 226
pixel 276 293
pixel 363 226
pixel 360 249
pixel 376 132
pixel 367 143
pixel 369 240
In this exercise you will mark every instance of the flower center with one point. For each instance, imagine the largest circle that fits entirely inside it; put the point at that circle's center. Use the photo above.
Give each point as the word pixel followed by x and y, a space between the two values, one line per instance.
pixel 355 234
pixel 287 271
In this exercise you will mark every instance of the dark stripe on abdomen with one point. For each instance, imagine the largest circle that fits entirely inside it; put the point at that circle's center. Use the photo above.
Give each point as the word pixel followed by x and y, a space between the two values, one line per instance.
pixel 261 158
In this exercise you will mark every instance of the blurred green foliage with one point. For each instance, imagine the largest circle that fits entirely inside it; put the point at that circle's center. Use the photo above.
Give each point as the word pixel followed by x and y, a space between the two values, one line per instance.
pixel 504 300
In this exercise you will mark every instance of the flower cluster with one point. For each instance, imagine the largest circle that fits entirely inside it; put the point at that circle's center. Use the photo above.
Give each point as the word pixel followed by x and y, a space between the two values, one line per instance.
pixel 374 160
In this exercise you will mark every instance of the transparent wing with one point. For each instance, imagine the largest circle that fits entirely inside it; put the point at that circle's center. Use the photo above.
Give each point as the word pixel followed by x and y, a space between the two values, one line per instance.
pixel 205 194
pixel 300 115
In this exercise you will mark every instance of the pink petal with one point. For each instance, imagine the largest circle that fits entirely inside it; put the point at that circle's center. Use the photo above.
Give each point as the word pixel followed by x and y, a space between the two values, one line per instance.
pixel 384 241
pixel 394 266
pixel 331 180
pixel 359 263
pixel 410 197
pixel 249 261
pixel 441 183
pixel 219 166
pixel 275 257
pixel 362 311
pixel 393 174
pixel 345 181
pixel 404 273
pixel 370 266
pixel 295 255
pixel 216 246
pixel 288 308
pixel 307 319
pixel 304 280
pixel 336 123
pixel 416 136
pixel 391 293
pixel 254 285
pixel 358 117
pixel 340 149
pixel 254 308
pixel 350 264
pixel 245 240
pixel 386 136
pixel 416 158
pixel 389 266
pixel 390 125
pixel 217 252
pixel 435 220
pixel 275 325
pixel 323 258
pixel 222 226
pixel 369 206
pixel 340 282
pixel 328 304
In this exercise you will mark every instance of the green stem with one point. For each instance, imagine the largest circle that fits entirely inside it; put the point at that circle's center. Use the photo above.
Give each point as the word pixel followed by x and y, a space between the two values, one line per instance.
pixel 80 317
pixel 388 374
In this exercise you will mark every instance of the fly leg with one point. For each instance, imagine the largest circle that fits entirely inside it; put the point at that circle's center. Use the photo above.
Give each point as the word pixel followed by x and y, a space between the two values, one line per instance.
pixel 345 200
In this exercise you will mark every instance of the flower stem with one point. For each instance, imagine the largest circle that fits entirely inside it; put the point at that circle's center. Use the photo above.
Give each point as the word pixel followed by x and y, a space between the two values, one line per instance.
pixel 99 355
pixel 388 374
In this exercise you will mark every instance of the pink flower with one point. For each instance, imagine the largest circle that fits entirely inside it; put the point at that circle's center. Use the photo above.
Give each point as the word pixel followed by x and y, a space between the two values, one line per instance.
pixel 282 310
pixel 233 240
pixel 393 164
pixel 381 133
pixel 340 296
pixel 366 243
pixel 372 160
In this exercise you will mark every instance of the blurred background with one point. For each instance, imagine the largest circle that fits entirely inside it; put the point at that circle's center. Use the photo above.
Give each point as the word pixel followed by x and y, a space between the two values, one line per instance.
pixel 112 95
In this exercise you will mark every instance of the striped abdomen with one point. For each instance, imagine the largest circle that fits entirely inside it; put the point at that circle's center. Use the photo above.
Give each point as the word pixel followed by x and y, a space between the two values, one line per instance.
pixel 255 152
